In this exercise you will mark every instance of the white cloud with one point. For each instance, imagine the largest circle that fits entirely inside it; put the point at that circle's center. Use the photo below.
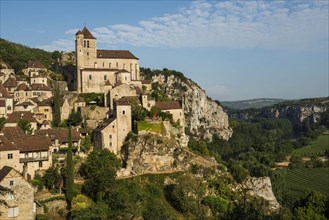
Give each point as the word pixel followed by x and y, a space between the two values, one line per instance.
pixel 60 45
pixel 72 31
pixel 232 24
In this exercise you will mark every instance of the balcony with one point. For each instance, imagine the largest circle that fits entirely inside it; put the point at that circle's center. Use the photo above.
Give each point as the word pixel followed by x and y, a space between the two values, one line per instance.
pixel 33 159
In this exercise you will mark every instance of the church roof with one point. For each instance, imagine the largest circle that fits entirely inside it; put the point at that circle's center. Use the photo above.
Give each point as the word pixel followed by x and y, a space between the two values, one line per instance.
pixel 116 54
pixel 86 33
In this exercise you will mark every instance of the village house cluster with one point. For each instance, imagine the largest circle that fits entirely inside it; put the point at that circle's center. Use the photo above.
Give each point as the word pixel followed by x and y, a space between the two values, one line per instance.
pixel 30 97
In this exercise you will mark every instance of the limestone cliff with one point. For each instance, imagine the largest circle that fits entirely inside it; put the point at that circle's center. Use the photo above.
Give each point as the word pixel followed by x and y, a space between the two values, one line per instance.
pixel 296 114
pixel 204 117
pixel 260 187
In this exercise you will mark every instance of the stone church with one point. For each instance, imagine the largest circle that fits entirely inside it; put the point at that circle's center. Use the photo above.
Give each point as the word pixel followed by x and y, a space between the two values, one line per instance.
pixel 98 68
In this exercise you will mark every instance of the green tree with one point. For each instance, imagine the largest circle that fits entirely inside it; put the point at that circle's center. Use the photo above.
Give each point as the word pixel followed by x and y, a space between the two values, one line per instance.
pixel 100 172
pixel 25 125
pixel 86 144
pixel 51 177
pixel 4 191
pixel 2 122
pixel 69 181
pixel 57 107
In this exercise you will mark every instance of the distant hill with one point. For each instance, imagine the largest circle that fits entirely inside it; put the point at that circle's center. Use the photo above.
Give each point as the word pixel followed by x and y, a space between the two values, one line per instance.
pixel 17 55
pixel 251 103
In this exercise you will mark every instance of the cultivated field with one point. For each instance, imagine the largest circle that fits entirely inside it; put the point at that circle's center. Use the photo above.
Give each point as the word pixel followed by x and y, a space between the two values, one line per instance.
pixel 316 148
pixel 301 181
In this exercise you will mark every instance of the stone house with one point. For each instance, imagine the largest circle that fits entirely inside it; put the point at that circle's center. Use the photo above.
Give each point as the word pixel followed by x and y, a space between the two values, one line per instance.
pixel 21 204
pixel 40 90
pixel 112 132
pixel 11 84
pixel 96 67
pixel 25 106
pixel 6 102
pixel 22 93
pixel 118 92
pixel 9 153
pixel 39 79
pixel 13 119
pixel 175 109
pixel 34 68
pixel 60 137
pixel 43 110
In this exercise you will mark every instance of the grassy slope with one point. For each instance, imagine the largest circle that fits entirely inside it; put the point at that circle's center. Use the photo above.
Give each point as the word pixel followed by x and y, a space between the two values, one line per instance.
pixel 317 147
pixel 147 126
pixel 301 181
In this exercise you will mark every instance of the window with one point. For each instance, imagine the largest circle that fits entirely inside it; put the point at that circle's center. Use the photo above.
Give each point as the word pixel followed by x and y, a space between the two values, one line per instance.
pixel 88 43
pixel 11 182
pixel 13 211
pixel 103 64
pixel 90 77
pixel 9 108
pixel 124 66
pixel 40 163
pixel 105 77
pixel 10 156
pixel 84 43
pixel 125 78
pixel 87 53
pixel 110 136
pixel 110 144
pixel 123 112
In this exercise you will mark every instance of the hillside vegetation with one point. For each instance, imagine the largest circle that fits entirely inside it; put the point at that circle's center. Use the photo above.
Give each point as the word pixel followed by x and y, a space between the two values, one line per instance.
pixel 252 103
pixel 17 55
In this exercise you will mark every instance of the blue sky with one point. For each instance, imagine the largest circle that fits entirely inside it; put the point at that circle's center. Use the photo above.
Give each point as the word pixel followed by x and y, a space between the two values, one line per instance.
pixel 233 49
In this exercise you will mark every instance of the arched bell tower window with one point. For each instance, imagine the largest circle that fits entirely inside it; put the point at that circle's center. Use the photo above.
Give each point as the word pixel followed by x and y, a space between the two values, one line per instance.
pixel 84 43
pixel 88 43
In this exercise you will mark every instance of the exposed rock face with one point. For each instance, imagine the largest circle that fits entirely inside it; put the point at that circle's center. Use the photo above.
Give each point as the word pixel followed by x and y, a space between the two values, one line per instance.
pixel 261 187
pixel 152 153
pixel 204 117
pixel 295 114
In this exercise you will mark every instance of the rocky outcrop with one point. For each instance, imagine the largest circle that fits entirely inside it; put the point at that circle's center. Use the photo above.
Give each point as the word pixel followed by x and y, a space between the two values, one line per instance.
pixel 153 153
pixel 260 187
pixel 296 114
pixel 204 117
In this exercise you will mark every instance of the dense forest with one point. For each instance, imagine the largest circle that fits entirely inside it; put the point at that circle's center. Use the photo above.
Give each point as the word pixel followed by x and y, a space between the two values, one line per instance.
pixel 17 55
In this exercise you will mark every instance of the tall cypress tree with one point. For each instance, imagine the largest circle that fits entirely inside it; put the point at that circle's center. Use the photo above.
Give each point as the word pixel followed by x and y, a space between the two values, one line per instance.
pixel 57 107
pixel 69 181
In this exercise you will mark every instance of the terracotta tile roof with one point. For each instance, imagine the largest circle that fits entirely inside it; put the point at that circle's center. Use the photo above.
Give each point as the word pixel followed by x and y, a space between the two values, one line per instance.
pixel 35 64
pixel 2 103
pixel 104 124
pixel 26 103
pixel 167 105
pixel 15 116
pixel 122 101
pixel 23 87
pixel 10 82
pixel 6 145
pixel 40 87
pixel 3 92
pixel 116 54
pixel 32 143
pixel 146 81
pixel 12 132
pixel 61 134
pixel 4 172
